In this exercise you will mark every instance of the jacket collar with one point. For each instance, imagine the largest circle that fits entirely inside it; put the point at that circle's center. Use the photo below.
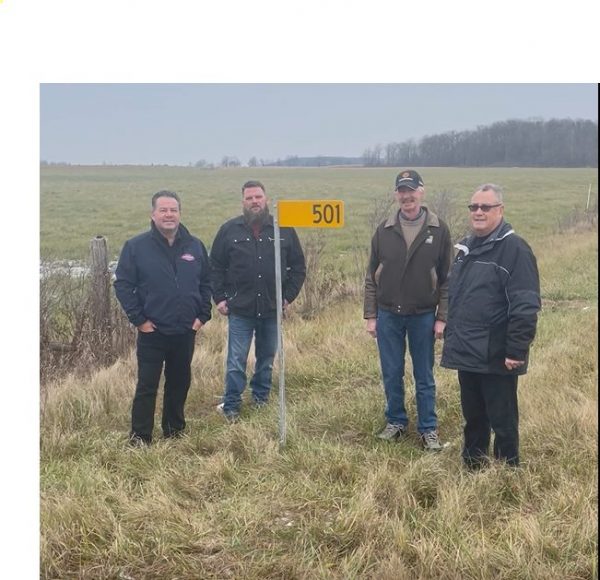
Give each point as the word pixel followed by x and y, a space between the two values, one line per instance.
pixel 503 230
pixel 430 219
pixel 241 220
pixel 182 234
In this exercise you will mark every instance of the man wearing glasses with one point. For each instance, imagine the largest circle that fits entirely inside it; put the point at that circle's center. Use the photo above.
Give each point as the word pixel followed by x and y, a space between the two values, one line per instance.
pixel 493 301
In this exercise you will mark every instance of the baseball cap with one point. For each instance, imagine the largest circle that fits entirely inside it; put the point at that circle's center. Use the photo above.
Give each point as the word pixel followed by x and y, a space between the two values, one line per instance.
pixel 409 178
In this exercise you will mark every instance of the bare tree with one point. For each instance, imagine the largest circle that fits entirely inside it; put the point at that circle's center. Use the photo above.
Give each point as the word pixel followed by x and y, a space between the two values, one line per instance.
pixel 446 205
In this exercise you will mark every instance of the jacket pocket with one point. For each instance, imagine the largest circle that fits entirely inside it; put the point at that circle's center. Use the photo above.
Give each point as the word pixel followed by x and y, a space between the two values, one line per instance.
pixel 230 295
pixel 377 274
pixel 434 280
pixel 469 346
pixel 496 344
pixel 158 306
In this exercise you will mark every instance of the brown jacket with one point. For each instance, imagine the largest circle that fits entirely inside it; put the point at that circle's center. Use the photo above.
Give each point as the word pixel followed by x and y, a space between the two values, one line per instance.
pixel 410 282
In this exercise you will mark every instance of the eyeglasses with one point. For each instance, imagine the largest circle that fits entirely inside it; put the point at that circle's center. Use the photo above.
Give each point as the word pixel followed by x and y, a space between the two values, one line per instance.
pixel 484 207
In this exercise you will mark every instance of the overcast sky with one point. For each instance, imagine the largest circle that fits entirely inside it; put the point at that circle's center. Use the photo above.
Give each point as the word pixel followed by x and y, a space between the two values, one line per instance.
pixel 182 123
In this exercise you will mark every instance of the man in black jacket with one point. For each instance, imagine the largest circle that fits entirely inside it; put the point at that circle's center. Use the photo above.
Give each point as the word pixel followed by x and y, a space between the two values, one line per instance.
pixel 243 275
pixel 163 284
pixel 494 299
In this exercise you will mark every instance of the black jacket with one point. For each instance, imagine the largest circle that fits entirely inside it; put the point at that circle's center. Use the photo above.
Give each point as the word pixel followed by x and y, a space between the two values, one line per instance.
pixel 169 285
pixel 243 268
pixel 493 301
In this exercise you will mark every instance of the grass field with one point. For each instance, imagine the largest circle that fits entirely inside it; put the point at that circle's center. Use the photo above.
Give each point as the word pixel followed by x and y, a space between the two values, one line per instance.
pixel 227 502
pixel 78 203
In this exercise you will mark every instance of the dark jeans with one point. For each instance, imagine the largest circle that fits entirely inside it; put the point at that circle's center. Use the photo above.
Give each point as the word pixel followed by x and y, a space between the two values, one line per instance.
pixel 241 331
pixel 392 330
pixel 489 402
pixel 175 352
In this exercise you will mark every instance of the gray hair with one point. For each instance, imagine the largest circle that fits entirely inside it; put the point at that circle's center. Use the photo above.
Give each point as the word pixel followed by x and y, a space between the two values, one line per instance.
pixel 492 187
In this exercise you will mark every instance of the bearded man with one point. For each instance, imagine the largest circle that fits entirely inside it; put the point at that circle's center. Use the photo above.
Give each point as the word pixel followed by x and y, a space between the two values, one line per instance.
pixel 243 277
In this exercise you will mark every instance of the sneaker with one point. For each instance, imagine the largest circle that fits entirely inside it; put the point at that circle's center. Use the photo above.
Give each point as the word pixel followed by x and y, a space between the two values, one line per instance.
pixel 431 441
pixel 255 404
pixel 231 417
pixel 392 431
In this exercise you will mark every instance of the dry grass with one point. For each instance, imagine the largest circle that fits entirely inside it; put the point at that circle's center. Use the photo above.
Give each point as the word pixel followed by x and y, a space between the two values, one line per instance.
pixel 335 503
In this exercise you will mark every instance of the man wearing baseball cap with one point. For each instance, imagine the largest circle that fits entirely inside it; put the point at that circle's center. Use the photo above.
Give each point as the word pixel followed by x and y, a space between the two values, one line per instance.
pixel 406 295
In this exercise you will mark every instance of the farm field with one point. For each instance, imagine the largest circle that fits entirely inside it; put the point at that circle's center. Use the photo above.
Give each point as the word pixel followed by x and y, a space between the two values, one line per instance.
pixel 78 203
pixel 336 503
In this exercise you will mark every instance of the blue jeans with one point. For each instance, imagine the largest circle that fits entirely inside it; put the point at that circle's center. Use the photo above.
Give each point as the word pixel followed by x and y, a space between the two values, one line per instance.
pixel 241 331
pixel 392 330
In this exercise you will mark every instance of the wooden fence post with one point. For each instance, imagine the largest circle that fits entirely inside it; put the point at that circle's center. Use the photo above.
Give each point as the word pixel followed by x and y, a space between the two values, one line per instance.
pixel 100 298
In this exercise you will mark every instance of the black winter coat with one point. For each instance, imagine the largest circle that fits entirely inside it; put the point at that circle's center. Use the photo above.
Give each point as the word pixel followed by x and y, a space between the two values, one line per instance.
pixel 493 301
pixel 169 285
pixel 243 268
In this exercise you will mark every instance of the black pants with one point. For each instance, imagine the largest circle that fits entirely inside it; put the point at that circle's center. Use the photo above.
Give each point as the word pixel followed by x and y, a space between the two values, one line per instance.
pixel 489 402
pixel 175 352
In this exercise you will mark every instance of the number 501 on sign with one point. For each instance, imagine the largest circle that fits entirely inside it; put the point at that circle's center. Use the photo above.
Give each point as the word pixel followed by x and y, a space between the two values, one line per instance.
pixel 314 213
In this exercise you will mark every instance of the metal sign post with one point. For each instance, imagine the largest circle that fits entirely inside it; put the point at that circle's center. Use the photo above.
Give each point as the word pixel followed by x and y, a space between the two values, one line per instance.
pixel 278 293
pixel 299 214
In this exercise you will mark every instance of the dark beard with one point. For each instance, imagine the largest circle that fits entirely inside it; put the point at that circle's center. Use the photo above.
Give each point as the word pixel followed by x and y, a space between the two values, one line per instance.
pixel 257 219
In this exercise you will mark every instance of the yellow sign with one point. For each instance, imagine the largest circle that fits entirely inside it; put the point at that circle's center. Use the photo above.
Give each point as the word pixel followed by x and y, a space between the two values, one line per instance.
pixel 312 213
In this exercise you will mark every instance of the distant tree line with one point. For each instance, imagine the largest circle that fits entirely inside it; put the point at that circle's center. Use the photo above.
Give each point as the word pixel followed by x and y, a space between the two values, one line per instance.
pixel 289 161
pixel 317 161
pixel 45 163
pixel 521 143
pixel 531 143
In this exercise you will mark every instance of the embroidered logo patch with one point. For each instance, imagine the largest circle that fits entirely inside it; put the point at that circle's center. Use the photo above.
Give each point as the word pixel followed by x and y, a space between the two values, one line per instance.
pixel 429 240
pixel 188 257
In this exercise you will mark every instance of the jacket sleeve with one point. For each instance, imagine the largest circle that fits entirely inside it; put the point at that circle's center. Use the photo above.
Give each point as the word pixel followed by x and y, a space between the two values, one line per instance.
pixel 205 288
pixel 296 268
pixel 443 268
pixel 524 302
pixel 219 263
pixel 370 302
pixel 126 284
